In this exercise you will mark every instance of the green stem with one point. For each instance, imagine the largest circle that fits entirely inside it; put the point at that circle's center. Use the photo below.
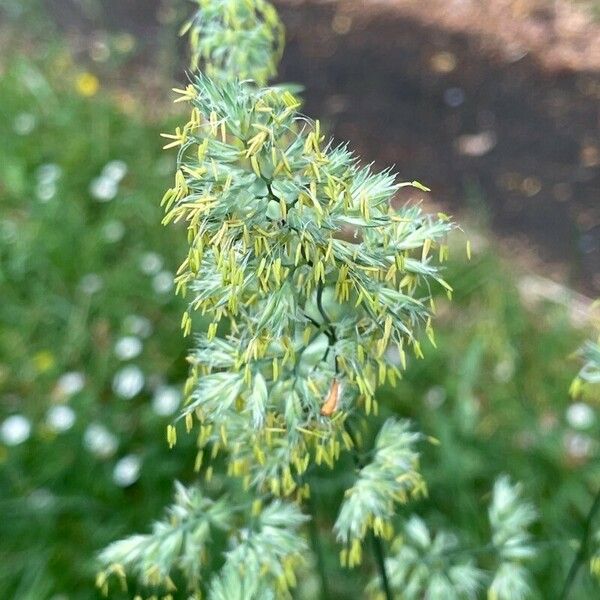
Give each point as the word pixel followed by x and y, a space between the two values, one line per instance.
pixel 329 328
pixel 316 544
pixel 377 543
pixel 380 560
pixel 583 548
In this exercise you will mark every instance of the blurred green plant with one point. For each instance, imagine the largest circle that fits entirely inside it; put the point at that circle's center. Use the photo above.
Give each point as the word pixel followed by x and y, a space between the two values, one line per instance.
pixel 86 312
pixel 589 546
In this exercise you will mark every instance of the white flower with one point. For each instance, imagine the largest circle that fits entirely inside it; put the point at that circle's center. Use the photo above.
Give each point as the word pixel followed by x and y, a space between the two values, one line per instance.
pixel 115 170
pixel 24 123
pixel 580 415
pixel 103 188
pixel 151 263
pixel 15 430
pixel 435 396
pixel 41 499
pixel 60 418
pixel 71 383
pixel 90 283
pixel 127 470
pixel 163 282
pixel 45 191
pixel 128 382
pixel 166 400
pixel 113 231
pixel 99 440
pixel 128 347
pixel 137 325
pixel 48 173
pixel 504 371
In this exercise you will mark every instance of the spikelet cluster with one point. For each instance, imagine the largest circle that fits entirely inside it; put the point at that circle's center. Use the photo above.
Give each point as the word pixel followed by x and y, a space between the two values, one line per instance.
pixel 235 39
pixel 391 477
pixel 261 557
pixel 440 566
pixel 306 270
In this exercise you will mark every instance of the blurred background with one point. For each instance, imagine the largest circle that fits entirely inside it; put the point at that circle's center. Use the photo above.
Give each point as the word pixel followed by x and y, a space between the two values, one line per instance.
pixel 494 105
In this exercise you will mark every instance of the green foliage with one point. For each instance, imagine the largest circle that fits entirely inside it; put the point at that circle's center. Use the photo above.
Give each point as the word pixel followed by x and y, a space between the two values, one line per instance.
pixel 85 283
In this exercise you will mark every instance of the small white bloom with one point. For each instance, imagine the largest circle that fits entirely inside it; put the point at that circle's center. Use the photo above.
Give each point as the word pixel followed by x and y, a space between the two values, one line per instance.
pixel 166 400
pixel 128 382
pixel 115 170
pixel 163 282
pixel 504 371
pixel 113 231
pixel 91 283
pixel 60 418
pixel 15 430
pixel 24 123
pixel 71 383
pixel 580 415
pixel 151 263
pixel 435 396
pixel 41 499
pixel 137 325
pixel 128 347
pixel 48 173
pixel 45 191
pixel 127 470
pixel 103 189
pixel 99 440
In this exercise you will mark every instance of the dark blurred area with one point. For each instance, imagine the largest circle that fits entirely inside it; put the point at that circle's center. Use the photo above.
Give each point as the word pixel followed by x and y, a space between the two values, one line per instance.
pixel 497 109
